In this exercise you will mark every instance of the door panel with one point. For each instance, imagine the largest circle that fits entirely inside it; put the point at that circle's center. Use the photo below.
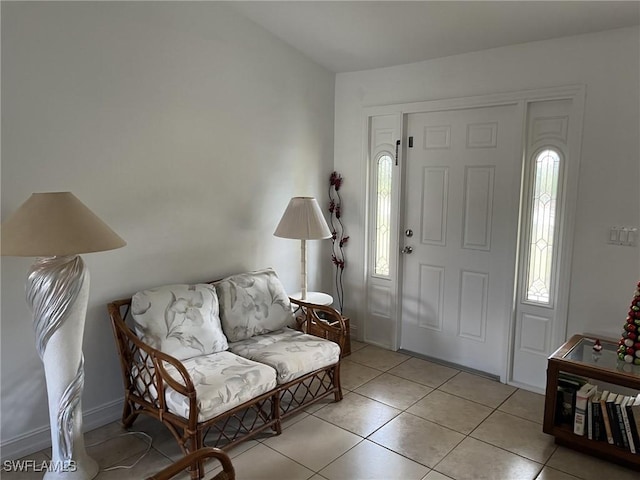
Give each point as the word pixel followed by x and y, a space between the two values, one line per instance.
pixel 462 195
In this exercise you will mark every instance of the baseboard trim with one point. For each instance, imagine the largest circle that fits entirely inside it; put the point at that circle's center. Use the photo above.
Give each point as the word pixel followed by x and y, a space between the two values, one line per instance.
pixel 40 438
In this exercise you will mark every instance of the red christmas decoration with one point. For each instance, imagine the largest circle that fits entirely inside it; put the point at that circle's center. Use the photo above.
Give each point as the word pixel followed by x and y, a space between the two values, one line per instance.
pixel 629 347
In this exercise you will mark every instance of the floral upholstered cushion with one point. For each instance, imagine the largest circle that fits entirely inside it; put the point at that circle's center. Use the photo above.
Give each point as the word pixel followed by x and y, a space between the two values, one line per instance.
pixel 222 382
pixel 252 304
pixel 180 320
pixel 292 353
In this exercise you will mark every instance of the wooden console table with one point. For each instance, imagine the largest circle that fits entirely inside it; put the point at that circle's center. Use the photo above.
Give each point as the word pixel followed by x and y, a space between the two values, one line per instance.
pixel 577 357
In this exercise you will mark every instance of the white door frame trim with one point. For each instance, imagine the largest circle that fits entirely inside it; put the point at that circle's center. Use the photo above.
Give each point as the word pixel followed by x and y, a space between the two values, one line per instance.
pixel 576 93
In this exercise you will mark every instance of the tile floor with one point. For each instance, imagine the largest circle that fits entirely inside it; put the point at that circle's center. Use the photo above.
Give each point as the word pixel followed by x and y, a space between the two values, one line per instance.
pixel 401 418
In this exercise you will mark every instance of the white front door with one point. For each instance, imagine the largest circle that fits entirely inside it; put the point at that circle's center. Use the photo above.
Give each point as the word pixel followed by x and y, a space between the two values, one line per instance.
pixel 461 200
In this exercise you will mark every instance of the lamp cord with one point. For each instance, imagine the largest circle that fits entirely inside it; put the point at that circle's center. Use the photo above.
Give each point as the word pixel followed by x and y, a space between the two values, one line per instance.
pixel 127 467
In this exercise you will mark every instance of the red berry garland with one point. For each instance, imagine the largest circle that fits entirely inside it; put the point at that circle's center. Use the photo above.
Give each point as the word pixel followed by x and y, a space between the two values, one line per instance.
pixel 629 346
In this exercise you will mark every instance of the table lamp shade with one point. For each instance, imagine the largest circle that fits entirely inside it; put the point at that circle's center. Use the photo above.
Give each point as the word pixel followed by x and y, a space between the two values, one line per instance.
pixel 303 220
pixel 55 224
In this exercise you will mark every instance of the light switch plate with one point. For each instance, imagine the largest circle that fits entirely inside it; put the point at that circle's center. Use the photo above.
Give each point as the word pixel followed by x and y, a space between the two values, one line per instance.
pixel 623 236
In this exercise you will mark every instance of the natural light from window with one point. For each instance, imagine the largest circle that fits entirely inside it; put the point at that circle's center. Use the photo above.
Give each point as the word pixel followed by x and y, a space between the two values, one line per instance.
pixel 383 214
pixel 542 228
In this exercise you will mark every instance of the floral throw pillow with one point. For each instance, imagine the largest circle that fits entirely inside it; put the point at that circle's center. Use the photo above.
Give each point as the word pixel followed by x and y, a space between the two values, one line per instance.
pixel 180 320
pixel 252 304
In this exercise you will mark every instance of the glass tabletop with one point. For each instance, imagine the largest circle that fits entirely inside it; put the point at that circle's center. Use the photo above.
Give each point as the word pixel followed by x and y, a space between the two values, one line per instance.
pixel 607 358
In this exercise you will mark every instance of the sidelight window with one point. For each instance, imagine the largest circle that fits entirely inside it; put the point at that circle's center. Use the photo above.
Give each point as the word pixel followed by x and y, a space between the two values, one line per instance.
pixel 543 226
pixel 383 191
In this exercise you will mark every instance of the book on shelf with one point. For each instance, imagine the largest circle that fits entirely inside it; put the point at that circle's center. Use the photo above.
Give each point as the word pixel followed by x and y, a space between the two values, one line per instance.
pixel 633 413
pixel 583 396
pixel 596 428
pixel 568 386
pixel 627 425
pixel 623 439
pixel 605 416
pixel 613 418
pixel 590 424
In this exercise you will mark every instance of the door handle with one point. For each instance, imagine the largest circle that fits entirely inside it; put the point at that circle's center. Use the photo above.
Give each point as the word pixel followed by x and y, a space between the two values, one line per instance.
pixel 407 250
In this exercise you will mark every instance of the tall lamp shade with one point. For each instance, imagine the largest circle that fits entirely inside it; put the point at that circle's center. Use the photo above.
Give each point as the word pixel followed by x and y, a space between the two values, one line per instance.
pixel 55 228
pixel 303 220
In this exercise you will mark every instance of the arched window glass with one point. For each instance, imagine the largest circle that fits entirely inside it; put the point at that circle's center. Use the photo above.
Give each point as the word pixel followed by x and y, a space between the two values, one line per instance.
pixel 383 214
pixel 543 226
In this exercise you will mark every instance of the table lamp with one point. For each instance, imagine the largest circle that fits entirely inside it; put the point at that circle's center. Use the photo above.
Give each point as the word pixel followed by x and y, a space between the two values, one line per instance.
pixel 56 227
pixel 303 220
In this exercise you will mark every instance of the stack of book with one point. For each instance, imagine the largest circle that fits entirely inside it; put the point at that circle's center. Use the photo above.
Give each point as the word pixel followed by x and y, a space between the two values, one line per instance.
pixel 604 416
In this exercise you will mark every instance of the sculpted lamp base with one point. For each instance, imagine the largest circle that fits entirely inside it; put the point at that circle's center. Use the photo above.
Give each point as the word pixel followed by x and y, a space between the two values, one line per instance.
pixel 58 292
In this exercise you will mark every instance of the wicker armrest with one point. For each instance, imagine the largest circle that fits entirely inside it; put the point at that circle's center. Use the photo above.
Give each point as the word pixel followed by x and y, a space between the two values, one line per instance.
pixel 322 321
pixel 144 368
pixel 323 314
pixel 227 473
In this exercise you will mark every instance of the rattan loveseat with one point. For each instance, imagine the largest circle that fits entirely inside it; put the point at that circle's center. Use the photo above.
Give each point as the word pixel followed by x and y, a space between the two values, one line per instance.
pixel 226 388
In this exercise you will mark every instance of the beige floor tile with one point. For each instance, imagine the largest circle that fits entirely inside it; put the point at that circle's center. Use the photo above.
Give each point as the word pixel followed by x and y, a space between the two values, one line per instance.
pixel 450 411
pixel 370 461
pixel 111 444
pixel 424 372
pixel 152 463
pixel 163 441
pixel 287 422
pixel 321 404
pixel 378 358
pixel 168 446
pixel 433 475
pixel 526 405
pixel 507 445
pixel 394 391
pixel 476 460
pixel 30 467
pixel 478 389
pixel 263 463
pixel 549 473
pixel 151 426
pixel 358 414
pixel 213 466
pixel 46 452
pixel 418 439
pixel 354 375
pixel 516 435
pixel 588 467
pixel 356 345
pixel 313 442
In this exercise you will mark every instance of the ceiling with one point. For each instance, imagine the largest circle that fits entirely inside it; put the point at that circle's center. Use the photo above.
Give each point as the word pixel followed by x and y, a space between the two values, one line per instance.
pixel 348 36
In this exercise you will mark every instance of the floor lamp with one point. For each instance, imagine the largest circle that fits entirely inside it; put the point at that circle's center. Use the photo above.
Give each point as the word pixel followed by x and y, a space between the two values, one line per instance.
pixel 303 220
pixel 56 227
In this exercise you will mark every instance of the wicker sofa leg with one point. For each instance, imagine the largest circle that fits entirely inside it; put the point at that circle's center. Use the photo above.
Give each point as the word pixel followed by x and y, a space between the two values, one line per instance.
pixel 193 441
pixel 275 413
pixel 337 395
pixel 129 414
pixel 196 442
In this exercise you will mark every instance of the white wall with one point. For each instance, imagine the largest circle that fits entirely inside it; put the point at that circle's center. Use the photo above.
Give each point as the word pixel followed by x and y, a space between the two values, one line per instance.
pixel 186 128
pixel 603 276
